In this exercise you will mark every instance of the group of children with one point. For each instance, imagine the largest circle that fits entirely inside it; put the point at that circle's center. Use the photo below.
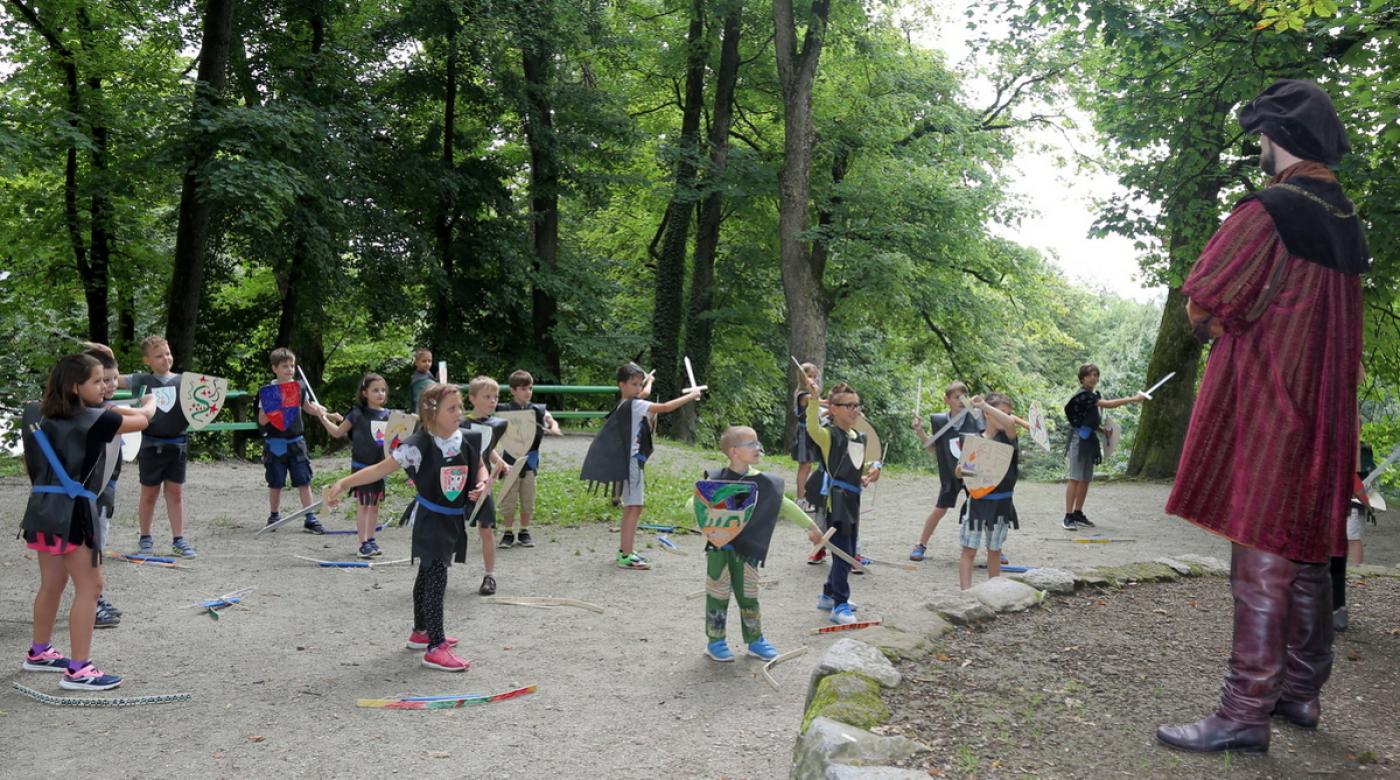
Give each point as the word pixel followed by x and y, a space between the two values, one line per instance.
pixel 452 462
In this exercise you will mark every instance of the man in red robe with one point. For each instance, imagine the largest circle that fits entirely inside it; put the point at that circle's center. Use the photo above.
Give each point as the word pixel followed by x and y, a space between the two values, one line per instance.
pixel 1270 453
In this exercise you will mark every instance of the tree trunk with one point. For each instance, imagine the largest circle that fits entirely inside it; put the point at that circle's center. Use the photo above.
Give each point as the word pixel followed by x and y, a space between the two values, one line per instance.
pixel 807 302
pixel 668 303
pixel 544 202
pixel 96 277
pixel 699 327
pixel 1162 426
pixel 444 221
pixel 192 232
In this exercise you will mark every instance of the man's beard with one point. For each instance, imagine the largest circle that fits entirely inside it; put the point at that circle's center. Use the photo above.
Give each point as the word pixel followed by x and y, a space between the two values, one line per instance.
pixel 1267 161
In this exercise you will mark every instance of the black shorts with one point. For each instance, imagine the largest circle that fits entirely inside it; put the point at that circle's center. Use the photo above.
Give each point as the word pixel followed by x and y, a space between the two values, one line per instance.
pixel 948 492
pixel 486 518
pixel 159 463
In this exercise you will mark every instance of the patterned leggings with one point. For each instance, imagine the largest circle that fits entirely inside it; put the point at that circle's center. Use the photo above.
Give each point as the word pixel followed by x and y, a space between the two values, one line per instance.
pixel 726 572
pixel 429 591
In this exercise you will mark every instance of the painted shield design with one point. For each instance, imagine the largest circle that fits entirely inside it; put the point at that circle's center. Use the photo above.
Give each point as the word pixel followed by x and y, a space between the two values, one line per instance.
pixel 201 398
pixel 131 445
pixel 377 429
pixel 985 463
pixel 281 403
pixel 1039 433
pixel 723 508
pixel 166 397
pixel 520 433
pixel 453 480
pixel 1113 433
pixel 873 449
pixel 398 427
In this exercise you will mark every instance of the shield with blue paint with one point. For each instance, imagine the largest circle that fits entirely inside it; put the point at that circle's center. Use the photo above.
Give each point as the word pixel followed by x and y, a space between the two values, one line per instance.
pixel 280 403
pixel 723 508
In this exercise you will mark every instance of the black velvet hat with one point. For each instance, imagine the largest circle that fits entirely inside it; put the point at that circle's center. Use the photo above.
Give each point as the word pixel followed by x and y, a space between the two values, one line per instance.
pixel 1299 116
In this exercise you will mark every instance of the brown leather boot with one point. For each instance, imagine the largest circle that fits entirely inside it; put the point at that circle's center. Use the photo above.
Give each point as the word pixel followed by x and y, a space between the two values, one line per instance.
pixel 1260 583
pixel 1309 646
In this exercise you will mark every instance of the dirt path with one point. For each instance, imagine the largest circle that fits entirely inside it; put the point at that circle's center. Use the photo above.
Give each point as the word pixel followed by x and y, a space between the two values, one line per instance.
pixel 626 694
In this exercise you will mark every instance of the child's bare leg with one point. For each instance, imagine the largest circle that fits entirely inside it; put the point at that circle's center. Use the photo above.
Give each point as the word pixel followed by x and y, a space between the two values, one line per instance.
pixel 87 584
pixel 53 580
pixel 526 488
pixel 372 520
pixel 304 491
pixel 993 563
pixel 505 514
pixel 1081 492
pixel 803 470
pixel 969 554
pixel 175 507
pixel 1071 490
pixel 364 527
pixel 1356 552
pixel 274 499
pixel 488 548
pixel 146 507
pixel 630 516
pixel 931 524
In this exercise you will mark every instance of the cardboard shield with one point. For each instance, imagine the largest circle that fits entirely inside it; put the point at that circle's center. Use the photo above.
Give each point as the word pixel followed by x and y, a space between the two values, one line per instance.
pixel 377 429
pixel 1039 433
pixel 984 463
pixel 873 451
pixel 166 397
pixel 131 445
pixel 723 509
pixel 201 398
pixel 112 457
pixel 1113 432
pixel 1376 500
pixel 398 427
pixel 453 481
pixel 281 403
pixel 520 433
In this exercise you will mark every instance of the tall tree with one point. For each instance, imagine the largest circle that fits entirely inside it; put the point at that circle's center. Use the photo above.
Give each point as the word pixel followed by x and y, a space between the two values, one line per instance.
pixel 668 305
pixel 807 302
pixel 537 57
pixel 192 232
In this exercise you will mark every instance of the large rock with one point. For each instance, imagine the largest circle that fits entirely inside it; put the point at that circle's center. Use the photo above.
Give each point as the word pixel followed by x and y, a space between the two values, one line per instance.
pixel 827 743
pixel 1180 567
pixel 908 632
pixel 1051 580
pixel 1370 570
pixel 849 697
pixel 850 655
pixel 960 609
pixel 848 772
pixel 1208 564
pixel 1004 595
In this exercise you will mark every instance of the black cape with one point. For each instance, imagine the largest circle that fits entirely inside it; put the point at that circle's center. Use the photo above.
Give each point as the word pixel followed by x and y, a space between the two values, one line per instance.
pixel 606 461
pixel 752 542
pixel 1317 223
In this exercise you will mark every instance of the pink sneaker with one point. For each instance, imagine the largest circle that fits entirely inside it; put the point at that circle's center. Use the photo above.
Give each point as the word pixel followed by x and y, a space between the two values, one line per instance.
pixel 89 678
pixel 442 658
pixel 418 640
pixel 48 661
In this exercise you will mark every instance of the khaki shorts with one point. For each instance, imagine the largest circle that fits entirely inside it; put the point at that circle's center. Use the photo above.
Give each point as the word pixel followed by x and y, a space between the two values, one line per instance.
pixel 634 490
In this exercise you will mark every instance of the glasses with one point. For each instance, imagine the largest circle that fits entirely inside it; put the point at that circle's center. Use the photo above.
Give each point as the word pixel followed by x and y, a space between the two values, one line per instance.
pixel 752 445
pixel 848 406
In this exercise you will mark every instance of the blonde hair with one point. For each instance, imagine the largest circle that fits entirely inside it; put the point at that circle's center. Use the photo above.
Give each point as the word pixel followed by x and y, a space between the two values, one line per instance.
pixel 433 397
pixel 998 399
pixel 479 383
pixel 732 435
pixel 151 342
pixel 954 389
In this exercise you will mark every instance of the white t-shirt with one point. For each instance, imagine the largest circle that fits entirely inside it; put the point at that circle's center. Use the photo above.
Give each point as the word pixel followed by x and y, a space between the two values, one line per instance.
pixel 640 410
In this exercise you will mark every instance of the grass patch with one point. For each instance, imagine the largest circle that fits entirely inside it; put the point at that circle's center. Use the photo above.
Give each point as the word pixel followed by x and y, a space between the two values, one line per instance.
pixel 11 466
pixel 561 498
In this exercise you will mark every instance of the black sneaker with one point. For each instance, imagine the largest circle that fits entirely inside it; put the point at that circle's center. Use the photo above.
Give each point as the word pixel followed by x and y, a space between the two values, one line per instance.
pixel 272 520
pixel 102 602
pixel 366 550
pixel 1082 520
pixel 507 540
pixel 313 526
pixel 488 586
pixel 1068 524
pixel 524 539
pixel 105 618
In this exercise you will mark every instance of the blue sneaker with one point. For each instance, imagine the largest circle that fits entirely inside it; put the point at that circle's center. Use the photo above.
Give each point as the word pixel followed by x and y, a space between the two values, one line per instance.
pixel 760 648
pixel 181 547
pixel 366 550
pixel 374 548
pixel 826 603
pixel 146 546
pixel 918 552
pixel 48 661
pixel 89 678
pixel 843 615
pixel 718 650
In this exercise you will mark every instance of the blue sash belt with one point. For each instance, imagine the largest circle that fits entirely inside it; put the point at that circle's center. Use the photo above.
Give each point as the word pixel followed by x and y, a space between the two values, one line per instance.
pixel 181 439
pixel 355 465
pixel 442 510
pixel 278 446
pixel 532 460
pixel 828 483
pixel 67 485
pixel 996 496
pixel 1084 431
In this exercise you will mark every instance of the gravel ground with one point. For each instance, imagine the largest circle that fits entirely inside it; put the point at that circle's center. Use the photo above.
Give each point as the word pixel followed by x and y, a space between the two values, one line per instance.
pixel 1078 689
pixel 626 694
